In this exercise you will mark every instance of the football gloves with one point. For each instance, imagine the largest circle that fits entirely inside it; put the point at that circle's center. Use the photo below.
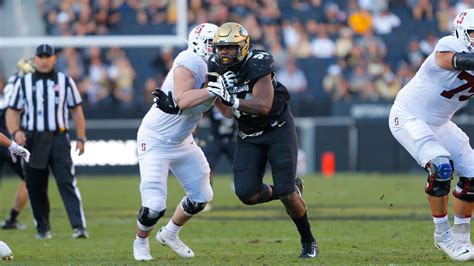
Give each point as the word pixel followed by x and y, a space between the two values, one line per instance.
pixel 165 102
pixel 229 78
pixel 219 89
pixel 17 150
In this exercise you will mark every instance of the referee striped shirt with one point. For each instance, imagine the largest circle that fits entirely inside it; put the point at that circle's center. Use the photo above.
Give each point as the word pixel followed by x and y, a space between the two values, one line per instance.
pixel 45 98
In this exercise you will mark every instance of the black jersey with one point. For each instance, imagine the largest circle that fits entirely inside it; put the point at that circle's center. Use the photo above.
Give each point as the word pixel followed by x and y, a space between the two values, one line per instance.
pixel 257 64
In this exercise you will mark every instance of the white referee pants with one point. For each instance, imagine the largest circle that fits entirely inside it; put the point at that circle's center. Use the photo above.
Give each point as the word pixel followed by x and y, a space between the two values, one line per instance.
pixel 186 161
pixel 425 142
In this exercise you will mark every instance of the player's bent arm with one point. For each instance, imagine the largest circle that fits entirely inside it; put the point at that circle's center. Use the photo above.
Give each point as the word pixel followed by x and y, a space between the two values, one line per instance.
pixel 185 94
pixel 262 97
pixel 444 59
pixel 225 110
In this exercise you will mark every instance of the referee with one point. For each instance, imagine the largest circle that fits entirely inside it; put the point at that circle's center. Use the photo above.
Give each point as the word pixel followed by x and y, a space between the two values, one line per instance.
pixel 48 97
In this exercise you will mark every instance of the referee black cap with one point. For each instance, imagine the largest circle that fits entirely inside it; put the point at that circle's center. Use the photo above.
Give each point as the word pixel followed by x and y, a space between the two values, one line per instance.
pixel 44 49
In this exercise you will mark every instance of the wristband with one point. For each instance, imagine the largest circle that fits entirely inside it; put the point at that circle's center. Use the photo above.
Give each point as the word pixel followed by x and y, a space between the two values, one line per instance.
pixel 83 140
pixel 236 103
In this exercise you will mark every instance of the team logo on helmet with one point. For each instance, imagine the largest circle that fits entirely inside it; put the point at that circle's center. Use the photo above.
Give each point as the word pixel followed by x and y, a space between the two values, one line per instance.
pixel 462 25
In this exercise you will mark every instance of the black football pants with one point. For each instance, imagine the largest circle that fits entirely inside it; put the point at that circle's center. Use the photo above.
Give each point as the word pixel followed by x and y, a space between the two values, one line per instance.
pixel 60 163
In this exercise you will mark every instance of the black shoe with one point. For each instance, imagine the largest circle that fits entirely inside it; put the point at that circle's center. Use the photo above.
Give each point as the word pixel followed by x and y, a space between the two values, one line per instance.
pixel 80 233
pixel 8 224
pixel 299 185
pixel 310 250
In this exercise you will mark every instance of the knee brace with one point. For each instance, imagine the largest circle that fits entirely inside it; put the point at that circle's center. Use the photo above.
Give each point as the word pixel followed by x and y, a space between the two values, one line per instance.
pixel 147 218
pixel 440 172
pixel 465 189
pixel 190 207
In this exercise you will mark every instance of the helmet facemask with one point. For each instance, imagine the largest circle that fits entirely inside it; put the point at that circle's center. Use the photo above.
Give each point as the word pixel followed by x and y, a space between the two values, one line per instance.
pixel 230 59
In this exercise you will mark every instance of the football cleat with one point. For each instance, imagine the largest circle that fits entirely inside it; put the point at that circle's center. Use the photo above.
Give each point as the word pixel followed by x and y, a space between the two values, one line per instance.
pixel 168 239
pixel 299 185
pixel 455 249
pixel 309 250
pixel 8 224
pixel 80 233
pixel 141 250
pixel 44 235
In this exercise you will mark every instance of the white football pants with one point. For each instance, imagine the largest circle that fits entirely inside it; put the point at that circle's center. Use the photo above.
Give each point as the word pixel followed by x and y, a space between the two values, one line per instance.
pixel 425 142
pixel 187 162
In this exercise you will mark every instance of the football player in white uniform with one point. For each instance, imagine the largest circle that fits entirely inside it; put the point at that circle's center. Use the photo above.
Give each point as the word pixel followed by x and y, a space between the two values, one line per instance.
pixel 420 120
pixel 165 142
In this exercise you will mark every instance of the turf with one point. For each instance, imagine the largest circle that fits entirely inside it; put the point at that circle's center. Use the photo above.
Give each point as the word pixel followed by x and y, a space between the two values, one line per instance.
pixel 357 219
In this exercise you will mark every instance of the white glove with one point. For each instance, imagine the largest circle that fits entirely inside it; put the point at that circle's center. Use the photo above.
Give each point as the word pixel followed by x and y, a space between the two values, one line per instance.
pixel 229 78
pixel 218 89
pixel 17 150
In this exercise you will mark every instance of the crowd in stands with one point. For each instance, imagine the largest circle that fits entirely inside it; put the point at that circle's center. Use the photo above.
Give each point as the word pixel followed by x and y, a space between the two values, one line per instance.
pixel 326 52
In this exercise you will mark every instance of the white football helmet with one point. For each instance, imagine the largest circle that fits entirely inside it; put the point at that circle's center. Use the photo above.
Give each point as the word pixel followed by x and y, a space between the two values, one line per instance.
pixel 200 39
pixel 462 24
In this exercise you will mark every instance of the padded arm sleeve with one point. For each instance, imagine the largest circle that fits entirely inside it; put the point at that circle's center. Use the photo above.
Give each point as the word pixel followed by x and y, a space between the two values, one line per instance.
pixel 463 61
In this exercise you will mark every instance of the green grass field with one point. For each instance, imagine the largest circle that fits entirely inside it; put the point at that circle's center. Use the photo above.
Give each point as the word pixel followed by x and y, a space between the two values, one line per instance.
pixel 357 219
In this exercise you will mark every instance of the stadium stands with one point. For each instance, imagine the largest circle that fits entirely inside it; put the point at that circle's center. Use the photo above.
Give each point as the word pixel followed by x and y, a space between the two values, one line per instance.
pixel 370 58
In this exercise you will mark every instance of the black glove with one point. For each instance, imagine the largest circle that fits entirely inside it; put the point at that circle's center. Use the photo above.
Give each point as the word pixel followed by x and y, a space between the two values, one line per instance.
pixel 218 89
pixel 165 102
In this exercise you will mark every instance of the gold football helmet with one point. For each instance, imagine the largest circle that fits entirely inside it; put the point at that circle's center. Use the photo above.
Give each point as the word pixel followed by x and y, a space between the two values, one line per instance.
pixel 231 34
pixel 24 66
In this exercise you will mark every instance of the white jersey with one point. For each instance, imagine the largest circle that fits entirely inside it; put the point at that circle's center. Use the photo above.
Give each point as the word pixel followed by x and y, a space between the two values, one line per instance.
pixel 175 128
pixel 435 93
pixel 7 92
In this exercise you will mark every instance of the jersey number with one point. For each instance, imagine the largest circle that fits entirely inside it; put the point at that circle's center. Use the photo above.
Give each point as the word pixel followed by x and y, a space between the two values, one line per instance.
pixel 468 85
pixel 260 55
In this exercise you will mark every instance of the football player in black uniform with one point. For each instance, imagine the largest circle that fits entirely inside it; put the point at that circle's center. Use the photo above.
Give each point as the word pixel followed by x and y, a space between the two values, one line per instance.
pixel 248 91
pixel 24 66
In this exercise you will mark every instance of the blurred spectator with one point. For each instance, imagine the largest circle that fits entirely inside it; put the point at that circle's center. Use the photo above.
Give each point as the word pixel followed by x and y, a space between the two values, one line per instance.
pixel 428 43
pixel 360 21
pixel 344 43
pixel 359 80
pixel 386 84
pixel 445 14
pixel 385 21
pixel 422 9
pixel 293 78
pixel 374 6
pixel 122 75
pixel 303 50
pixel 334 18
pixel 322 46
pixel 335 85
pixel 414 56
